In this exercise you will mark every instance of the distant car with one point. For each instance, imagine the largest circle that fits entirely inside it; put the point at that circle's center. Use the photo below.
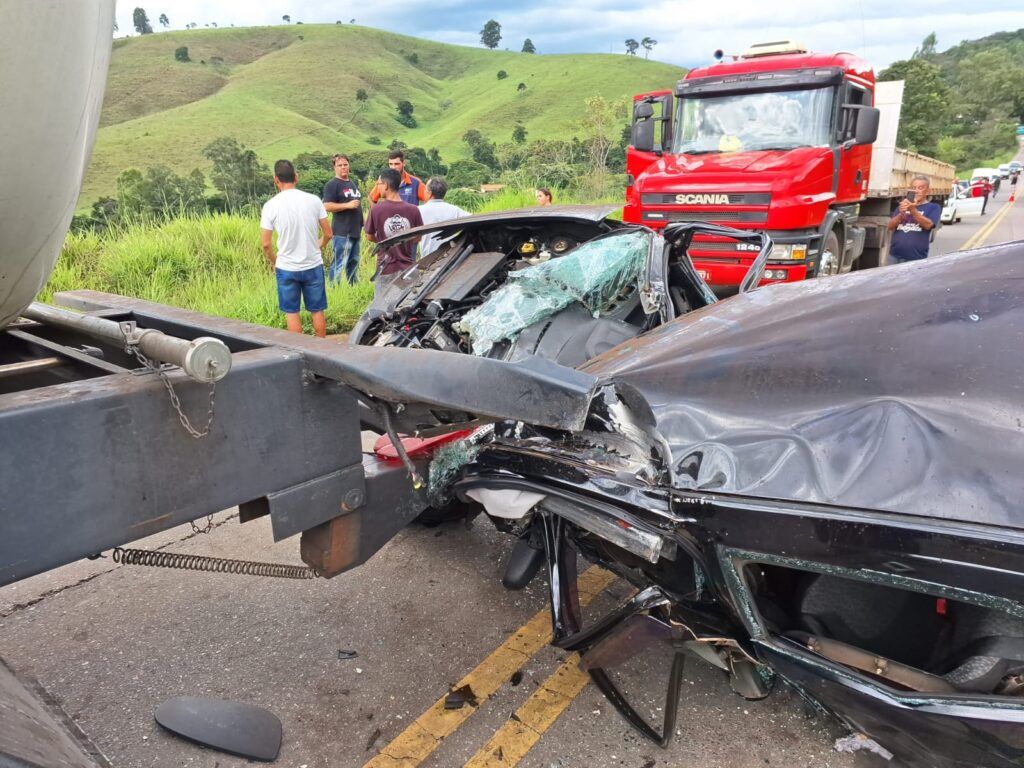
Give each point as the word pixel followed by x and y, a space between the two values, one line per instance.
pixel 960 204
pixel 1016 166
pixel 989 173
pixel 1004 170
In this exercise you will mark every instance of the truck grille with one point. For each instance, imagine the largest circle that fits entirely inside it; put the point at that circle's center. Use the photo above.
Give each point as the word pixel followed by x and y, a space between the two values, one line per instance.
pixel 735 198
pixel 746 217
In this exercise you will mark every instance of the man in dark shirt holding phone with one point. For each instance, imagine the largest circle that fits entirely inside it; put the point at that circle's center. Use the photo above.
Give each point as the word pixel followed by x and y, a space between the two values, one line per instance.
pixel 912 223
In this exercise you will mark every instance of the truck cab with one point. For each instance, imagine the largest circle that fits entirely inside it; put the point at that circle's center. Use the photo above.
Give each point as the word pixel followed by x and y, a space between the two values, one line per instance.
pixel 777 140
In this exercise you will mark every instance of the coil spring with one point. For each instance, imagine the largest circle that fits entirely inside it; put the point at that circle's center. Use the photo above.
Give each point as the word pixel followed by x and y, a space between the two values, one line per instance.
pixel 212 564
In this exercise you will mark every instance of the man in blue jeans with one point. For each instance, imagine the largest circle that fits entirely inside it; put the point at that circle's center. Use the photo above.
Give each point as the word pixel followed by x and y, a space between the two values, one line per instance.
pixel 342 199
pixel 297 217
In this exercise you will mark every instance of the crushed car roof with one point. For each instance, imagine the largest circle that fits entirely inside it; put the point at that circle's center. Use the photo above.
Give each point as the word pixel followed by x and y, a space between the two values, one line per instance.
pixel 896 390
pixel 582 213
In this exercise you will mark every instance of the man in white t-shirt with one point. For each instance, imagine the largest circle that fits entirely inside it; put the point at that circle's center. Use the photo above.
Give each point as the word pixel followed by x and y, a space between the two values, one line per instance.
pixel 298 218
pixel 435 210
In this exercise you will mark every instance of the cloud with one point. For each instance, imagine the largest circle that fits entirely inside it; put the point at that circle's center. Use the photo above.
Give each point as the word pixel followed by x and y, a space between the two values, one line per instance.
pixel 687 30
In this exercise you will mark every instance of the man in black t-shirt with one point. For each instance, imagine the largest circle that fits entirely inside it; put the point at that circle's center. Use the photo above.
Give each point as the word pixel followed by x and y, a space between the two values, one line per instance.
pixel 342 199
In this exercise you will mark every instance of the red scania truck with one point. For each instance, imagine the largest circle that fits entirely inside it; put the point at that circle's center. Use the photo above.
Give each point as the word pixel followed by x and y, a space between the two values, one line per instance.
pixel 801 145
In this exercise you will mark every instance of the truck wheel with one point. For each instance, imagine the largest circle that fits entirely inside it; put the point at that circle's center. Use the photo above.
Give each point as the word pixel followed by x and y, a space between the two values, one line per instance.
pixel 830 256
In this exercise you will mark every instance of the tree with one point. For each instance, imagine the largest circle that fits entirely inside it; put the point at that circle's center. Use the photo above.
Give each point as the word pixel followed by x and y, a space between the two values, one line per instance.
pixel 164 21
pixel 286 19
pixel 213 24
pixel 490 35
pixel 632 46
pixel 648 44
pixel 519 134
pixel 528 46
pixel 602 119
pixel 925 102
pixel 237 173
pixel 362 97
pixel 467 173
pixel 502 74
pixel 159 192
pixel 927 47
pixel 481 148
pixel 141 22
pixel 181 53
pixel 405 117
pixel 338 21
pixel 521 88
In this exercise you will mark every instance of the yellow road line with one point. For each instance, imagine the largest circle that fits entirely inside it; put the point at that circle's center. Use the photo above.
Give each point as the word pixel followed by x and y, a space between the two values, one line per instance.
pixel 417 742
pixel 983 234
pixel 518 735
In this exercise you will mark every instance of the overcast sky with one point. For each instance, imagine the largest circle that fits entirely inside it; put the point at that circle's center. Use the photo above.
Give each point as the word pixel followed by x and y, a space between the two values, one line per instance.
pixel 687 31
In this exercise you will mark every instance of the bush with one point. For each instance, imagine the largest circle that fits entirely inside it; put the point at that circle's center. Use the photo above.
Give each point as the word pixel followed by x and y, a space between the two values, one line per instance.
pixel 502 74
pixel 374 140
pixel 181 53
pixel 312 180
pixel 467 173
pixel 467 199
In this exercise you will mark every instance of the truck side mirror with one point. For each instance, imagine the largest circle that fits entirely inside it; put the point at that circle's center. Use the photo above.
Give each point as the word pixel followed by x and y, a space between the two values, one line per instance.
pixel 867 125
pixel 643 127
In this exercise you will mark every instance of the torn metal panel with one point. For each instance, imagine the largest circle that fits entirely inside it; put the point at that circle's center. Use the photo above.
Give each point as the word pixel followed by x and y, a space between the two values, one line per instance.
pixel 584 214
pixel 889 390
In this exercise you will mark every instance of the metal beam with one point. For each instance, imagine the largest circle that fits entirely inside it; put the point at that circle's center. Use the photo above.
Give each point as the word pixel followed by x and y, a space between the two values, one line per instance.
pixel 536 391
pixel 96 463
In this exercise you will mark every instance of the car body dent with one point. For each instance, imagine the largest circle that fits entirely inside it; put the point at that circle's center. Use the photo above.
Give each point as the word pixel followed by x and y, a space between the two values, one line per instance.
pixel 907 341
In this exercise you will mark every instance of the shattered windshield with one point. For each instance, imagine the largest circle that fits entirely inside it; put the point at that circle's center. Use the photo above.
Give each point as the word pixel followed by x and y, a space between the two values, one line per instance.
pixel 594 275
pixel 754 121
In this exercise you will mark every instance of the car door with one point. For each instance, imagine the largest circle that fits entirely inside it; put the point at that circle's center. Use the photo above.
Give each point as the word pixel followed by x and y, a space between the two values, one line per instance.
pixel 967 206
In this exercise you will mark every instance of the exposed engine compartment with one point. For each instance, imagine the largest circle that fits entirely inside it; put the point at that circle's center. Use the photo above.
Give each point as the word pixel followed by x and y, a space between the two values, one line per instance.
pixel 433 304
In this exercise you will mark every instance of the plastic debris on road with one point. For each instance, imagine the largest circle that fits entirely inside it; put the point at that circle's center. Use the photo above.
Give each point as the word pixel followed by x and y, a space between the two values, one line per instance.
pixel 593 275
pixel 856 742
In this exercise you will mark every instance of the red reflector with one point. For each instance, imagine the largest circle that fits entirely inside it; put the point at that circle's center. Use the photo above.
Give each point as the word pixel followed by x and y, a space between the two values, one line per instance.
pixel 416 446
pixel 940 606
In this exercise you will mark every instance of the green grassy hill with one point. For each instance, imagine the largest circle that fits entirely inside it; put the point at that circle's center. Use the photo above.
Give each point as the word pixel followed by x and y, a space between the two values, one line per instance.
pixel 286 90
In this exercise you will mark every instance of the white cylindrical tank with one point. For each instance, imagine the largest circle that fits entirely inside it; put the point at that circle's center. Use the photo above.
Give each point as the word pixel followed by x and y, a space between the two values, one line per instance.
pixel 53 71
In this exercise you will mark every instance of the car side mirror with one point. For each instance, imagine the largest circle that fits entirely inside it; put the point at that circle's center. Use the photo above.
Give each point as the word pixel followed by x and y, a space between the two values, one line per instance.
pixel 642 136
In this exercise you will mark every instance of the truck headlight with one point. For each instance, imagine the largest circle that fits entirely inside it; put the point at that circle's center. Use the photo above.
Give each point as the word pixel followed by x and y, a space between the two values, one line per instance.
pixel 782 251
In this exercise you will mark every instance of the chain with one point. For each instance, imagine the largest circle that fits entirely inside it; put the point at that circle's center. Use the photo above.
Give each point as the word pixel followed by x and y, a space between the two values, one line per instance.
pixel 175 401
pixel 132 348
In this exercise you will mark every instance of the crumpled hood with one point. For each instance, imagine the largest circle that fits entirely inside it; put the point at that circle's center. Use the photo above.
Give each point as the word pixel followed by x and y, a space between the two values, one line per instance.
pixel 889 389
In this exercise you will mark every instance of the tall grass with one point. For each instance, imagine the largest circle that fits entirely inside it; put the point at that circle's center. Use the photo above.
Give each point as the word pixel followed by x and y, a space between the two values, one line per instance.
pixel 213 263
pixel 208 263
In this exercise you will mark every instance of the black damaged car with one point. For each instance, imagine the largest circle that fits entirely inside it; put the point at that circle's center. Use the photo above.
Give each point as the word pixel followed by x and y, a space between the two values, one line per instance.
pixel 816 482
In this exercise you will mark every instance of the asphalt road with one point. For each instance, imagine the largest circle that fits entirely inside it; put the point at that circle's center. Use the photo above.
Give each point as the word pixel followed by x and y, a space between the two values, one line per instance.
pixel 110 643
pixel 979 231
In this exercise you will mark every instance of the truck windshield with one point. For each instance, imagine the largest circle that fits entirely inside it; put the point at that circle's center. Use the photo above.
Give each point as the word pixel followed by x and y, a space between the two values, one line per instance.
pixel 754 121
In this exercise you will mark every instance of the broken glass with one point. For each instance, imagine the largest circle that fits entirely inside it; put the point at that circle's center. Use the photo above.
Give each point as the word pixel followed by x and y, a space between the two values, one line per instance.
pixel 593 274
